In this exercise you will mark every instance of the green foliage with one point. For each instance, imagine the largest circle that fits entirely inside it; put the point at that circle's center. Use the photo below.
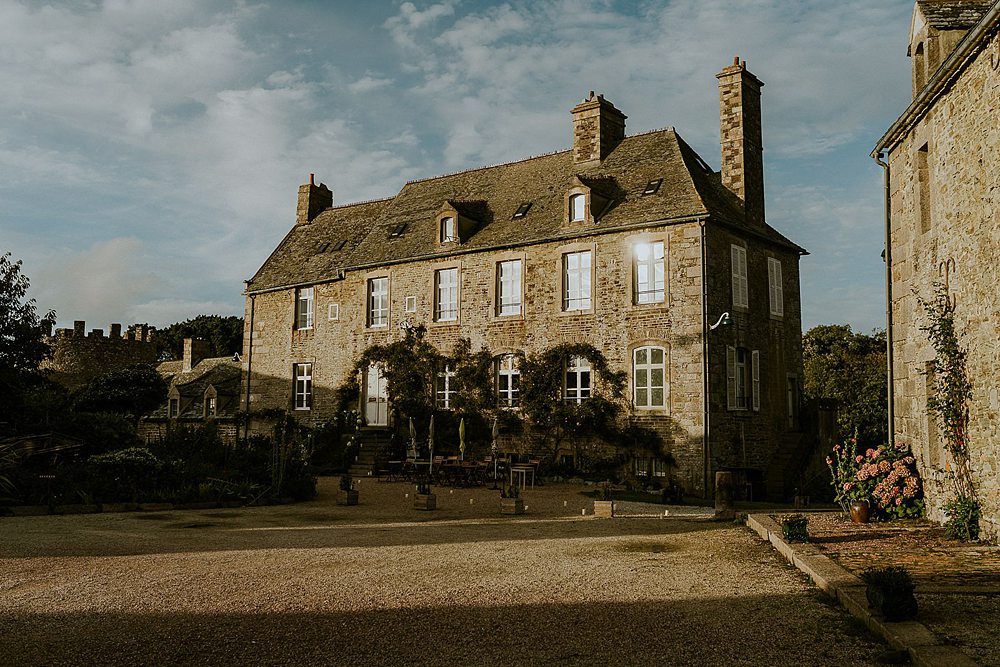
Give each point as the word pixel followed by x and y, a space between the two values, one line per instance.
pixel 409 366
pixel 123 472
pixel 850 369
pixel 963 518
pixel 795 527
pixel 22 348
pixel 133 390
pixel 892 579
pixel 224 336
pixel 885 476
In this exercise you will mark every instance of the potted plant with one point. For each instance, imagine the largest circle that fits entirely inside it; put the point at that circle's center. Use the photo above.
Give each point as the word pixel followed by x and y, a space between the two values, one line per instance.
pixel 604 506
pixel 795 528
pixel 890 592
pixel 510 500
pixel 347 495
pixel 424 499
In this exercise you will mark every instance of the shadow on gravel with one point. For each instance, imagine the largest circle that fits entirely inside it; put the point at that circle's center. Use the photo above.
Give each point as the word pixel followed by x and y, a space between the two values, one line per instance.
pixel 191 534
pixel 746 630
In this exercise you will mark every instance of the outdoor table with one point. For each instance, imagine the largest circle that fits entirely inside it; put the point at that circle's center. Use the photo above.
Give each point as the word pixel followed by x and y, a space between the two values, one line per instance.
pixel 522 471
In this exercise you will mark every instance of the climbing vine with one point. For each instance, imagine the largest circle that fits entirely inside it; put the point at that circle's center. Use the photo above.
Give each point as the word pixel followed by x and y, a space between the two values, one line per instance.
pixel 951 390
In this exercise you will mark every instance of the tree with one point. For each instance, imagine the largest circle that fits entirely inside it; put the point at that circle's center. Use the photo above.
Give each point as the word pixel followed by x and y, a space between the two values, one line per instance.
pixel 224 335
pixel 133 390
pixel 850 369
pixel 22 346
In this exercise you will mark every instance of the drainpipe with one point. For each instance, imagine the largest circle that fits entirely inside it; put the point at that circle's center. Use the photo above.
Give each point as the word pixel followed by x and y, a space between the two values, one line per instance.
pixel 888 297
pixel 704 352
pixel 246 426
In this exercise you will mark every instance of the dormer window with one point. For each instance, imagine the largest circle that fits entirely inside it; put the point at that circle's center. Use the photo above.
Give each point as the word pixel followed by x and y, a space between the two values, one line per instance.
pixel 577 208
pixel 210 406
pixel 448 231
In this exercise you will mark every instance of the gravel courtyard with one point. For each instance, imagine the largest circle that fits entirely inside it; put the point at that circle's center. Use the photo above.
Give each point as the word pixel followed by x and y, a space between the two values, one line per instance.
pixel 383 584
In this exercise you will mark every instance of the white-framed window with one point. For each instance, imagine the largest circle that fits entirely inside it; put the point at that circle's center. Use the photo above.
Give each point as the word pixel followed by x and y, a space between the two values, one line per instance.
pixel 302 386
pixel 509 287
pixel 578 374
pixel 444 388
pixel 304 308
pixel 649 377
pixel 410 304
pixel 333 312
pixel 448 231
pixel 741 296
pixel 173 407
pixel 577 207
pixel 378 302
pixel 508 381
pixel 576 280
pixel 211 406
pixel 648 273
pixel 743 378
pixel 775 288
pixel 446 295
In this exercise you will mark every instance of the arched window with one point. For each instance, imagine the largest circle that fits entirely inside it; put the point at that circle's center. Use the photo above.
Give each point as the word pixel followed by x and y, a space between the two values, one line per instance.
pixel 649 377
pixel 577 207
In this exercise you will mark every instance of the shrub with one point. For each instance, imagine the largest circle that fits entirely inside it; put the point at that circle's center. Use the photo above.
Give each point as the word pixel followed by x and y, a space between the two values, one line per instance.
pixel 126 473
pixel 886 477
pixel 795 528
pixel 963 518
pixel 893 578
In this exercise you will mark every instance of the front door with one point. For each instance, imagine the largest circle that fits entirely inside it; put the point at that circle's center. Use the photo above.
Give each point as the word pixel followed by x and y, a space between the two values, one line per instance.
pixel 376 402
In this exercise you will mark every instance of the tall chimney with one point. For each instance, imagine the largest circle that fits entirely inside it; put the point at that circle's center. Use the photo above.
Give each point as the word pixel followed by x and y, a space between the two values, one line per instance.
pixel 313 200
pixel 742 145
pixel 195 349
pixel 597 128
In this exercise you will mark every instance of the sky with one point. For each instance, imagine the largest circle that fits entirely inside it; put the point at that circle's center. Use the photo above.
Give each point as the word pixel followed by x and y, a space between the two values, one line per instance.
pixel 151 152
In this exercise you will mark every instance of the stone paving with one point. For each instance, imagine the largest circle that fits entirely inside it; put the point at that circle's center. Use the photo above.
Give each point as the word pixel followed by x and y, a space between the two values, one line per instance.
pixel 958 584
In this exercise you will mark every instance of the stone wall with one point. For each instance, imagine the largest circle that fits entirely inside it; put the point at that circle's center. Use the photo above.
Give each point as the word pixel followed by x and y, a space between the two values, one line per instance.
pixel 78 357
pixel 614 325
pixel 960 246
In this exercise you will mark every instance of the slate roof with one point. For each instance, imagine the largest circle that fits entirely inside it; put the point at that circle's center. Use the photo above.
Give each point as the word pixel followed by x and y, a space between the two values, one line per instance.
pixel 491 195
pixel 953 14
pixel 223 373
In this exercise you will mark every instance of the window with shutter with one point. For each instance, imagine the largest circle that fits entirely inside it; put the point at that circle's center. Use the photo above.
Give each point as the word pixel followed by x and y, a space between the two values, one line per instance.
pixel 731 377
pixel 755 374
pixel 741 297
pixel 775 289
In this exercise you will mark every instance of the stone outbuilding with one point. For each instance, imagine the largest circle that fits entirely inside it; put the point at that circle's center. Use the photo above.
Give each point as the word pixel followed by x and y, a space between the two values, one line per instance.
pixel 633 244
pixel 943 201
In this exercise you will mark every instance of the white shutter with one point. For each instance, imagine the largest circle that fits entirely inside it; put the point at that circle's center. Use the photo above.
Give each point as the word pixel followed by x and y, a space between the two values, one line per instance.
pixel 735 264
pixel 774 285
pixel 731 377
pixel 755 374
pixel 739 268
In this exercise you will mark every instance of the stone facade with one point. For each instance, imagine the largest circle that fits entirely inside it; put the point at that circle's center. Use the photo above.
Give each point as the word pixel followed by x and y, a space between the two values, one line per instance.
pixel 945 197
pixel 612 171
pixel 78 357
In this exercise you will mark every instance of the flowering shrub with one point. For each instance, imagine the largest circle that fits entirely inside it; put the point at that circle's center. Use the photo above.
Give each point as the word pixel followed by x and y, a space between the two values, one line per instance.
pixel 886 477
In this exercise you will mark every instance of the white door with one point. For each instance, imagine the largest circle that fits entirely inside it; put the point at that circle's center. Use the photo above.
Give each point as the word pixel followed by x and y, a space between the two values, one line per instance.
pixel 376 402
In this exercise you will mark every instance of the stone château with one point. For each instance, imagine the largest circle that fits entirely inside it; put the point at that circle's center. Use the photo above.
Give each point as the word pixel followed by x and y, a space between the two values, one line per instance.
pixel 633 244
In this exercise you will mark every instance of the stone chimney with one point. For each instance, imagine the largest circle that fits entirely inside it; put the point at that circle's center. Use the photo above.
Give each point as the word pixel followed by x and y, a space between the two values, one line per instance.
pixel 195 349
pixel 742 145
pixel 313 200
pixel 597 128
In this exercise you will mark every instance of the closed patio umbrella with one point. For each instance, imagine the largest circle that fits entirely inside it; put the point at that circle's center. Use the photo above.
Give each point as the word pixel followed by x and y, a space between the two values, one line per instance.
pixel 461 437
pixel 430 442
pixel 413 438
pixel 494 449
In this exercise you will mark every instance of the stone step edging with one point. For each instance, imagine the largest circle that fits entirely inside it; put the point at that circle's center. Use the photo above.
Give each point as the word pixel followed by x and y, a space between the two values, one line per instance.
pixel 925 648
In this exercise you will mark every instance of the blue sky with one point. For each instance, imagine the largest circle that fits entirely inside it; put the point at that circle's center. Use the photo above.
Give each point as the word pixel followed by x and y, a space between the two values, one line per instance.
pixel 150 152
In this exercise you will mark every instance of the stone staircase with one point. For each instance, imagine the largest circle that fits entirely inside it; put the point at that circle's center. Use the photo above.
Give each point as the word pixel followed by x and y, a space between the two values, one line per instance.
pixel 373 440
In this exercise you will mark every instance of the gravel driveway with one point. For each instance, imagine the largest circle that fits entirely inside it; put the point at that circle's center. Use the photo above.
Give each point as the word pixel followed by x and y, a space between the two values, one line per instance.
pixel 383 584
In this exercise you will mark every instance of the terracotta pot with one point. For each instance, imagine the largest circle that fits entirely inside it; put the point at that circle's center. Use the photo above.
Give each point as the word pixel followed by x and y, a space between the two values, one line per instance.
pixel 859 511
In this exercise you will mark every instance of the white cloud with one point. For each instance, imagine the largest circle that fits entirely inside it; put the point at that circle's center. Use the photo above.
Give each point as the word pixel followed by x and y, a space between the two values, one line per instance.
pixel 368 83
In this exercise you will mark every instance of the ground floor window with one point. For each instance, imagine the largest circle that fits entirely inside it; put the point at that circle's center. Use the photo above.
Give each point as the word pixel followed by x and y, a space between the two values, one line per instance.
pixel 577 379
pixel 302 381
pixel 444 388
pixel 508 381
pixel 649 373
pixel 743 378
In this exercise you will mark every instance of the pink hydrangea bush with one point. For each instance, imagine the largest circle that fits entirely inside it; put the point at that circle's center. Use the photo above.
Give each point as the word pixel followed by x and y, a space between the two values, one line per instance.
pixel 885 476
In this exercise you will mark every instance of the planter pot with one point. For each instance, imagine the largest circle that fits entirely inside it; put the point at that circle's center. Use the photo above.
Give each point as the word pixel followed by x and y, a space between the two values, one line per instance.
pixel 604 508
pixel 859 511
pixel 425 501
pixel 511 506
pixel 348 497
pixel 893 605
